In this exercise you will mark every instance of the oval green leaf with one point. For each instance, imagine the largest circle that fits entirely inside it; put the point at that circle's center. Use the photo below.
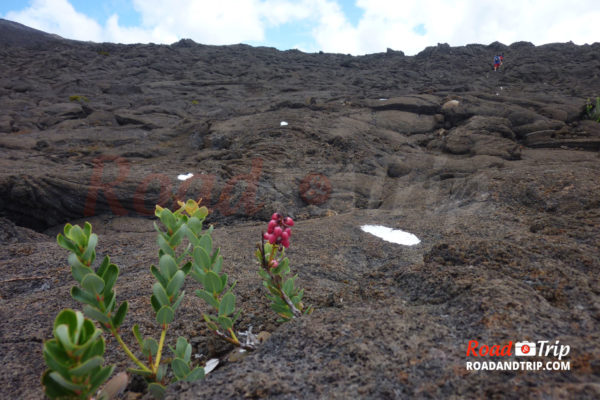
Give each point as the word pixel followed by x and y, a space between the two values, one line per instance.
pixel 212 282
pixel 93 283
pixel 201 258
pixel 160 294
pixel 180 368
pixel 168 266
pixel 206 243
pixel 65 383
pixel 227 305
pixel 203 294
pixel 87 366
pixel 156 390
pixel 165 315
pixel 120 314
pixel 96 314
pixel 149 347
pixel 197 373
pixel 175 283
pixel 225 322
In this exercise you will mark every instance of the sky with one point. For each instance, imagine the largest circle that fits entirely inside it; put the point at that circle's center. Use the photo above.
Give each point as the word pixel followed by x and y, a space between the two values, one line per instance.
pixel 334 26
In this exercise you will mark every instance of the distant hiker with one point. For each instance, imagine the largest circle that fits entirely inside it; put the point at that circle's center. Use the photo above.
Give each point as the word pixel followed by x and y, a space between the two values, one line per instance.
pixel 497 62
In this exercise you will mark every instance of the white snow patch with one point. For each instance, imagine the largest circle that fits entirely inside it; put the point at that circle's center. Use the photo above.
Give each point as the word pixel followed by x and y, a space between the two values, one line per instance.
pixel 383 99
pixel 210 365
pixel 283 123
pixel 391 235
pixel 185 177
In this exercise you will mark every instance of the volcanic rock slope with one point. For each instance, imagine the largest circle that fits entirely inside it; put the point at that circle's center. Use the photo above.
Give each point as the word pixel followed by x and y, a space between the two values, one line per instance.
pixel 496 172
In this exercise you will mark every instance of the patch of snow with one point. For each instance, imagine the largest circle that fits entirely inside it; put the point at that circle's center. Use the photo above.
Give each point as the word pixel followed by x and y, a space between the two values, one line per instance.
pixel 391 235
pixel 210 365
pixel 185 177
pixel 383 99
pixel 283 123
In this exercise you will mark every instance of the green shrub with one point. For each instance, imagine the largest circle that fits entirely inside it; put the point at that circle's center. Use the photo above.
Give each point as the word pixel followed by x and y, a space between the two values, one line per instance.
pixel 75 372
pixel 593 111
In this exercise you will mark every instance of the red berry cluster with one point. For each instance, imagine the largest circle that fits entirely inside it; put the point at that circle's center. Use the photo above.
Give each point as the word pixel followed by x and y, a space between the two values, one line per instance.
pixel 278 231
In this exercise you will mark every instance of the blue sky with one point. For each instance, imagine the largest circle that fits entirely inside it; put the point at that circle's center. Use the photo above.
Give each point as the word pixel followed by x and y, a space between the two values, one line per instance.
pixel 339 26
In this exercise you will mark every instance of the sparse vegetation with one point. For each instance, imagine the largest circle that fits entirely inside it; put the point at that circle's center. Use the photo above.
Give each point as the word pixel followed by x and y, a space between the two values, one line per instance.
pixel 74 356
pixel 78 98
pixel 592 111
pixel 286 299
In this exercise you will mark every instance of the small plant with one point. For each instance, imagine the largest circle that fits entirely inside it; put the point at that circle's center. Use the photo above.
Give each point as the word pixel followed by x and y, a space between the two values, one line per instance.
pixel 74 358
pixel 195 102
pixel 78 98
pixel 103 53
pixel 207 265
pixel 274 269
pixel 593 111
pixel 96 291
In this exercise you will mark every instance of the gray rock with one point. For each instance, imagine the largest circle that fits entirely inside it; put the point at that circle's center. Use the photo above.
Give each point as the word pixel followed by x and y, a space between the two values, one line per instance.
pixel 501 189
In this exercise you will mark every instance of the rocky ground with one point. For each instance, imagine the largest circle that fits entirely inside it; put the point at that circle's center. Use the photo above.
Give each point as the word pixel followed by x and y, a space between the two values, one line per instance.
pixel 496 172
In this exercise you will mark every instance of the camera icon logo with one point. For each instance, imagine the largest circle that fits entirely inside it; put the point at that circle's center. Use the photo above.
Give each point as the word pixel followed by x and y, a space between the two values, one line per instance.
pixel 525 349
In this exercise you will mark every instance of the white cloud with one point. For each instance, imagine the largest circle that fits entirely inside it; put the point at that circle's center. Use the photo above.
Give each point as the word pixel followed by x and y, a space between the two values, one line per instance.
pixel 113 32
pixel 213 22
pixel 277 12
pixel 390 24
pixel 383 24
pixel 58 16
pixel 333 32
pixel 210 22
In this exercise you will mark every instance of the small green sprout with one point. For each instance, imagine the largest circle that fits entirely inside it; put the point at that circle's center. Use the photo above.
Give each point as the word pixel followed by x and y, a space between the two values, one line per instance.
pixel 78 98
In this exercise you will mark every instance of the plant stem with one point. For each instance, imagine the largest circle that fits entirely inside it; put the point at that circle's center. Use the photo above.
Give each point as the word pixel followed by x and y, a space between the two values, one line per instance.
pixel 127 351
pixel 297 313
pixel 232 334
pixel 234 341
pixel 160 347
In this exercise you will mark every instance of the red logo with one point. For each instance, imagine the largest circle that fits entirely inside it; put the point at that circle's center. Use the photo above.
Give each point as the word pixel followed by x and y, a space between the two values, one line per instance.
pixel 315 189
pixel 476 350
